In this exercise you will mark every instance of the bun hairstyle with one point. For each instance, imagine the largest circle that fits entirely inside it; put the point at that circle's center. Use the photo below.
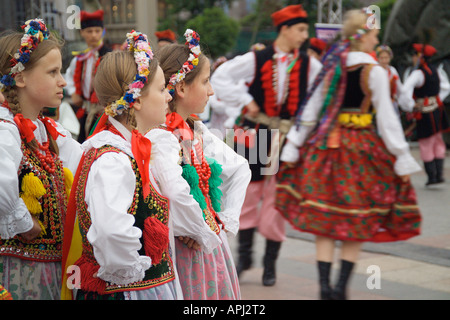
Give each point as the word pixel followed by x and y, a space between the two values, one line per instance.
pixel 10 43
pixel 354 25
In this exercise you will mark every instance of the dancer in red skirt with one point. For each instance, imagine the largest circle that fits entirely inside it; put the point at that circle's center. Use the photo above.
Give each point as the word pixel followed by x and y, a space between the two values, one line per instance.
pixel 351 182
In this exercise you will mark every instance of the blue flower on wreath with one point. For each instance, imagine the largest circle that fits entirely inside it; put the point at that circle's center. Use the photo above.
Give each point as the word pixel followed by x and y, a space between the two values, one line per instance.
pixel 128 97
pixel 8 81
pixel 24 58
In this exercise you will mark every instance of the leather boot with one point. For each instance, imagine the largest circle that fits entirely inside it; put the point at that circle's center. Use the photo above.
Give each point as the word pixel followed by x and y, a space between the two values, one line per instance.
pixel 430 169
pixel 245 250
pixel 270 258
pixel 339 291
pixel 439 170
pixel 324 279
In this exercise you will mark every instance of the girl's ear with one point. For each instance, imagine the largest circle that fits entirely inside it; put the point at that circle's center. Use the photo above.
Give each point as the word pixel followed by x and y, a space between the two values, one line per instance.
pixel 181 89
pixel 20 80
pixel 137 105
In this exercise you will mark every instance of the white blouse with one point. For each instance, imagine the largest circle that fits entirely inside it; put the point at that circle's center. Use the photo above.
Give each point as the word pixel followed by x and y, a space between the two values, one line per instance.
pixel 109 193
pixel 388 123
pixel 14 215
pixel 186 212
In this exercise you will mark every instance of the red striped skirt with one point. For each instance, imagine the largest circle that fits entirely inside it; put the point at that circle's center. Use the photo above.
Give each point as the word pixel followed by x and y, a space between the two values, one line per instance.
pixel 350 192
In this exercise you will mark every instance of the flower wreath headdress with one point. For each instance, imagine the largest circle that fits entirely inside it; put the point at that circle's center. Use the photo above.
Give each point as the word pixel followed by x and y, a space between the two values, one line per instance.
pixel 35 32
pixel 137 42
pixel 193 41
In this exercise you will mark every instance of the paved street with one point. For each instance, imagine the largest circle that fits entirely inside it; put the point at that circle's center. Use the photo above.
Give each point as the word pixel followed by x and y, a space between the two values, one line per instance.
pixel 417 269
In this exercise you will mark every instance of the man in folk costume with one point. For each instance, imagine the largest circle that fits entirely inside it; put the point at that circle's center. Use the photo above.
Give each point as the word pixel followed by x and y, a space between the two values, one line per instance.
pixel 423 93
pixel 277 78
pixel 165 37
pixel 82 69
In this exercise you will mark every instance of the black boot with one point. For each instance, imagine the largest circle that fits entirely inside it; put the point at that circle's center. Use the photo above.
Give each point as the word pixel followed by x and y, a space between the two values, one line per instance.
pixel 245 250
pixel 324 279
pixel 430 169
pixel 339 291
pixel 270 258
pixel 439 170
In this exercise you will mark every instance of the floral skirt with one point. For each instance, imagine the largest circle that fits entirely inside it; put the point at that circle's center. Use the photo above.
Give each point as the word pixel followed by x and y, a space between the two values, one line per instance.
pixel 350 192
pixel 207 276
pixel 30 280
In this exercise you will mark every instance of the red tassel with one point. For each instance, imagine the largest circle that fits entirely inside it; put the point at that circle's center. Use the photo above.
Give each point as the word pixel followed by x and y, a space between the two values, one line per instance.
pixel 88 282
pixel 156 239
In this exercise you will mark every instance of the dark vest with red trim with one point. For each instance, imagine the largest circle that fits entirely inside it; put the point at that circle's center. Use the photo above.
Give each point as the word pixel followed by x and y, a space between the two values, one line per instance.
pixel 154 206
pixel 436 121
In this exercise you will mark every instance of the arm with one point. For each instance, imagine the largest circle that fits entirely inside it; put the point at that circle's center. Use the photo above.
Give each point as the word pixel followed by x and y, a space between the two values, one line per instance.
pixel 70 151
pixel 406 101
pixel 296 138
pixel 388 123
pixel 14 216
pixel 231 77
pixel 70 87
pixel 236 176
pixel 109 193
pixel 444 83
pixel 186 213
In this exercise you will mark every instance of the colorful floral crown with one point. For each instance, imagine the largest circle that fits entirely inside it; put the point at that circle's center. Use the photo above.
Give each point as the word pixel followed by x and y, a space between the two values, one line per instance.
pixel 193 40
pixel 35 32
pixel 138 43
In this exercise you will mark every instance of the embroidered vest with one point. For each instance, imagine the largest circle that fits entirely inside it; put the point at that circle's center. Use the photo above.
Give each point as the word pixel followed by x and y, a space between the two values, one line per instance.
pixel 265 85
pixel 431 86
pixel 357 93
pixel 48 246
pixel 154 205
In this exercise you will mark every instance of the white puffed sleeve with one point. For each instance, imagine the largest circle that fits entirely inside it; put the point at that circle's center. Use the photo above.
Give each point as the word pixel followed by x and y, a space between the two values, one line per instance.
pixel 109 193
pixel 406 101
pixel 296 138
pixel 186 212
pixel 70 150
pixel 236 176
pixel 388 123
pixel 14 215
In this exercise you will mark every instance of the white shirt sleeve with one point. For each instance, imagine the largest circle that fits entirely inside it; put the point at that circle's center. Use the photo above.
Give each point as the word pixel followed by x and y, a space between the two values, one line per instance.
pixel 415 80
pixel 109 193
pixel 315 66
pixel 444 83
pixel 70 150
pixel 70 87
pixel 14 215
pixel 296 138
pixel 388 123
pixel 231 77
pixel 236 176
pixel 186 213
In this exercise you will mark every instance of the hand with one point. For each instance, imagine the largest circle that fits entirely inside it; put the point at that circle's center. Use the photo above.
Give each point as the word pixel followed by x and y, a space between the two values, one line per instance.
pixel 252 109
pixel 190 243
pixel 77 100
pixel 405 178
pixel 34 232
pixel 290 165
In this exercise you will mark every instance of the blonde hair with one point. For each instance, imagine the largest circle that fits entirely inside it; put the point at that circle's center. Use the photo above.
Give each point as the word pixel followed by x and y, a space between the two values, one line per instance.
pixel 353 21
pixel 115 73
pixel 172 57
pixel 10 42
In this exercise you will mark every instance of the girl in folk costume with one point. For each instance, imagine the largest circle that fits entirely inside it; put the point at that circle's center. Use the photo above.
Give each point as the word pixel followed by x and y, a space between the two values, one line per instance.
pixel 122 217
pixel 384 57
pixel 423 93
pixel 276 80
pixel 38 156
pixel 82 69
pixel 203 178
pixel 350 184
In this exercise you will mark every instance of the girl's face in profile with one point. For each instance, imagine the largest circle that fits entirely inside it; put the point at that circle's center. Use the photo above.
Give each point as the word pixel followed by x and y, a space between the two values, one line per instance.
pixel 199 91
pixel 155 102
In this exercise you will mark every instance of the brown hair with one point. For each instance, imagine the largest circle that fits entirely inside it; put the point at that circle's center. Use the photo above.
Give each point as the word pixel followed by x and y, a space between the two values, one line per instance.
pixel 172 57
pixel 115 73
pixel 10 42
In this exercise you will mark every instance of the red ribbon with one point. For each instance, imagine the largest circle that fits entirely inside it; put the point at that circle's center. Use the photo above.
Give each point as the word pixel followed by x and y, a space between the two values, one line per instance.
pixel 178 126
pixel 51 125
pixel 26 127
pixel 142 150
